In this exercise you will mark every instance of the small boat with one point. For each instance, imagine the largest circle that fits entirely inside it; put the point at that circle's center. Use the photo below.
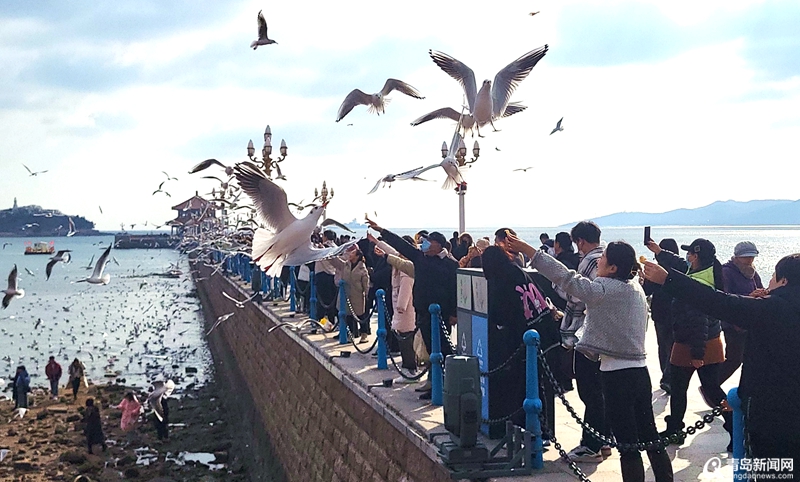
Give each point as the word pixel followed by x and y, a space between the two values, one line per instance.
pixel 40 247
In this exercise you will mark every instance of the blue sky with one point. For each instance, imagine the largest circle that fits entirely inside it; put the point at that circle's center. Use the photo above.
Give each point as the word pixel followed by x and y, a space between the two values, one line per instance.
pixel 665 105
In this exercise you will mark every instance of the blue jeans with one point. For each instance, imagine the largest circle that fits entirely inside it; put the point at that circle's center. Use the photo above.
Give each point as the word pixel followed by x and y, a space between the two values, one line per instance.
pixel 54 388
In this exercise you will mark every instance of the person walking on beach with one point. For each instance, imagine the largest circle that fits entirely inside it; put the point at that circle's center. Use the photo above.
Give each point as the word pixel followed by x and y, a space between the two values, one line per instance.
pixel 769 387
pixel 94 427
pixel 130 408
pixel 614 337
pixel 434 282
pixel 661 313
pixel 76 373
pixel 697 345
pixel 739 277
pixel 53 372
pixel 22 385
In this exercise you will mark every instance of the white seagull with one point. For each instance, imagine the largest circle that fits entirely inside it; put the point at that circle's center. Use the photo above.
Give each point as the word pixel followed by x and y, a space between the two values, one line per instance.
pixel 376 102
pixel 62 256
pixel 13 290
pixel 32 173
pixel 491 100
pixel 468 122
pixel 162 390
pixel 262 33
pixel 449 164
pixel 390 178
pixel 97 277
pixel 71 228
pixel 290 243
pixel 558 127
pixel 208 163
pixel 219 322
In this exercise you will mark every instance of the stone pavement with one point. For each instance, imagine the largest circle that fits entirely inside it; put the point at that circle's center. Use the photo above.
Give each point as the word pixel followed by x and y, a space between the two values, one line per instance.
pixel 400 402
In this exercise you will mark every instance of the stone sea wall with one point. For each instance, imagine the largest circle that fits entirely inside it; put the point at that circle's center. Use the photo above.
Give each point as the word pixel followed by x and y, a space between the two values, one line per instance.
pixel 303 418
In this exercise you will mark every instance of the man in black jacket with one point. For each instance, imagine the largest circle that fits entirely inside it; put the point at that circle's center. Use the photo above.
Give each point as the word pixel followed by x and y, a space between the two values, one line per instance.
pixel 770 386
pixel 434 282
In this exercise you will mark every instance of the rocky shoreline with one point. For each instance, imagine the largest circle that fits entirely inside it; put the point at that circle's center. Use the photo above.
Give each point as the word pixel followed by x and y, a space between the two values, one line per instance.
pixel 48 443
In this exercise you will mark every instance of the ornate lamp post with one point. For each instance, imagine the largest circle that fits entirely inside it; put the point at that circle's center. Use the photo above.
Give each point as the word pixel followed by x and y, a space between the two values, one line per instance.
pixel 323 195
pixel 267 162
pixel 461 189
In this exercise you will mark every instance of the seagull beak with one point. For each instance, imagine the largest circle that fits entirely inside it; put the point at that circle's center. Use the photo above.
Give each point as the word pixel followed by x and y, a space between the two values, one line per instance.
pixel 325 204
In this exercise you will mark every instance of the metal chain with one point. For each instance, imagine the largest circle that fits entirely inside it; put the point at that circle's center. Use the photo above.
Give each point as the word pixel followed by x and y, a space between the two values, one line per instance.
pixel 352 337
pixel 495 421
pixel 519 350
pixel 674 438
pixel 561 452
pixel 446 333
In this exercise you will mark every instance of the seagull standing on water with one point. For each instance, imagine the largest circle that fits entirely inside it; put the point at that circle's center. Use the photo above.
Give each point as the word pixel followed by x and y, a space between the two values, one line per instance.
pixel 62 256
pixel 97 277
pixel 290 243
pixel 262 33
pixel 376 102
pixel 13 290
pixel 491 100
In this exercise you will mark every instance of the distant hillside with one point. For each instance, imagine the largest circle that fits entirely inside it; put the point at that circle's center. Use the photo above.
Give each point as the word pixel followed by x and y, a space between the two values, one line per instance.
pixel 720 213
pixel 32 221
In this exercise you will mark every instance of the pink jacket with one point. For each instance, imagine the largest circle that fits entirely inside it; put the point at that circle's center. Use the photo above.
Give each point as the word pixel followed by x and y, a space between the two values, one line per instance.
pixel 130 413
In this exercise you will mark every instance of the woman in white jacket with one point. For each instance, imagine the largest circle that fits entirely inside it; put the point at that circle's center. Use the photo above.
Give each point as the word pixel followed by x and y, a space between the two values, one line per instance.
pixel 404 319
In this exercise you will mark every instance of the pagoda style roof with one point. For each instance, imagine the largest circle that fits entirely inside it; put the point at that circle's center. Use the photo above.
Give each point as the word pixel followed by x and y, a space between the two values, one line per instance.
pixel 195 202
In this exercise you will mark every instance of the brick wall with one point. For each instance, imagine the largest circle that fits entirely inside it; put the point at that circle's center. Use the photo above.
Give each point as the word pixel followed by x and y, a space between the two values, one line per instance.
pixel 304 423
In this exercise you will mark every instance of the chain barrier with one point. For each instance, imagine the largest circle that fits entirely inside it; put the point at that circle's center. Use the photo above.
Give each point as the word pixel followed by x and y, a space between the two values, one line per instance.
pixel 673 438
pixel 350 333
pixel 446 333
pixel 560 449
pixel 420 373
pixel 495 421
pixel 520 349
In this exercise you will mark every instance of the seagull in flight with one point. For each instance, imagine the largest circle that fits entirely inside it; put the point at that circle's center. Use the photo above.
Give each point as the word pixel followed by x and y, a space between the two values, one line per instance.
pixel 30 272
pixel 289 241
pixel 169 178
pixel 61 257
pixel 72 231
pixel 208 163
pixel 13 290
pixel 557 127
pixel 376 102
pixel 523 169
pixel 262 33
pixel 33 173
pixel 162 390
pixel 6 244
pixel 390 178
pixel 468 122
pixel 239 304
pixel 219 322
pixel 490 102
pixel 97 277
pixel 449 164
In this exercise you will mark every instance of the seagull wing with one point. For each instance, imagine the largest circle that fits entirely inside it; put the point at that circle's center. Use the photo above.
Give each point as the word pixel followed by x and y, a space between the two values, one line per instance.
pixel 262 26
pixel 204 165
pixel 333 222
pixel 226 295
pixel 443 113
pixel 457 70
pixel 71 227
pixel 268 197
pixel 28 169
pixel 377 185
pixel 101 263
pixel 12 279
pixel 49 267
pixel 400 86
pixel 90 262
pixel 506 81
pixel 354 98
pixel 414 173
pixel 513 108
pixel 558 125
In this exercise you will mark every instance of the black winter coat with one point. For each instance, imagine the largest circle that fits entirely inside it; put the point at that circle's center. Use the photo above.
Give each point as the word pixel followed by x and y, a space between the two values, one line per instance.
pixel 769 381
pixel 434 277
pixel 690 326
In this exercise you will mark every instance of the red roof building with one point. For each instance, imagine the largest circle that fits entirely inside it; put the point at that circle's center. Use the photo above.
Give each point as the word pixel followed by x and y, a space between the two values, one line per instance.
pixel 195 216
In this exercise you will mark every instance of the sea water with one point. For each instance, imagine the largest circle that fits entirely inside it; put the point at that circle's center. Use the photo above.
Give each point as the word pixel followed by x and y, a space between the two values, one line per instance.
pixel 137 327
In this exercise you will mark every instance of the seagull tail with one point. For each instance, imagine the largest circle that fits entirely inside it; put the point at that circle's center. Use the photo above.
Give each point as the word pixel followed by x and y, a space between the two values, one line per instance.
pixel 106 278
pixel 449 183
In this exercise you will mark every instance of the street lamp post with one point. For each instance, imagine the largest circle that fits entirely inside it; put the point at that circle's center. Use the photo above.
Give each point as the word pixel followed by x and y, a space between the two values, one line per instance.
pixel 267 162
pixel 323 196
pixel 461 189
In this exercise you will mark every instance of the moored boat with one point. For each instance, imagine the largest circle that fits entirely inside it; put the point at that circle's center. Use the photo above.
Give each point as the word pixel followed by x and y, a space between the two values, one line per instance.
pixel 40 247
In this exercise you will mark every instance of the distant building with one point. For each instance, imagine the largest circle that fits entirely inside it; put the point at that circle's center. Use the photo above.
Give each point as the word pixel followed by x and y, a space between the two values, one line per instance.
pixel 195 216
pixel 14 207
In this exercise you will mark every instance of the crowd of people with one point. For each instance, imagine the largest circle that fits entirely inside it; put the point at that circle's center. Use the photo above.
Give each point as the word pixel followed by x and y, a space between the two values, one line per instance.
pixel 599 298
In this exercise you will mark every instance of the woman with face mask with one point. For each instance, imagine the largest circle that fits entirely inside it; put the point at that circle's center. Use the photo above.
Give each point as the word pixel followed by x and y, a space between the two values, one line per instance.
pixel 697 344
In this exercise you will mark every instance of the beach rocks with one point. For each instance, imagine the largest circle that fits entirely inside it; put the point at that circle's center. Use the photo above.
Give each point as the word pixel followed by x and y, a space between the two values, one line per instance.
pixel 131 473
pixel 73 418
pixel 73 457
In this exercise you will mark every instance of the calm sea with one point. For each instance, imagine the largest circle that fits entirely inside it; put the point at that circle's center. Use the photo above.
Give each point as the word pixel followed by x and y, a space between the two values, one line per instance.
pixel 139 324
pixel 773 242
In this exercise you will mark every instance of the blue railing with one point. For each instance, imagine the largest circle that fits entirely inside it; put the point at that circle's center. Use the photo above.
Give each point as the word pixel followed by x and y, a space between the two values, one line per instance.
pixel 533 404
pixel 380 299
pixel 437 375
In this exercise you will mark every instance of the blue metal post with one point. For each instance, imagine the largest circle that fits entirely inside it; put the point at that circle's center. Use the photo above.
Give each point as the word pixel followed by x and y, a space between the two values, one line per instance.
pixel 292 290
pixel 533 404
pixel 738 432
pixel 379 298
pixel 312 309
pixel 437 377
pixel 248 269
pixel 342 314
pixel 276 288
pixel 268 287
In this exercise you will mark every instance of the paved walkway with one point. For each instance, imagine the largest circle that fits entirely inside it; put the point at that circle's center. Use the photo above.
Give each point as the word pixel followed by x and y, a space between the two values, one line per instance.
pixel 402 402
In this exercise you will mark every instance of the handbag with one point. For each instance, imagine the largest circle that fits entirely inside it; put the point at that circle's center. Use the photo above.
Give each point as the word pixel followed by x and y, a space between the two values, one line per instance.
pixel 423 357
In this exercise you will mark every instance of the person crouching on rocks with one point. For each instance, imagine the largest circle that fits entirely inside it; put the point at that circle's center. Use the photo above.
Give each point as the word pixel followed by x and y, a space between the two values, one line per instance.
pixel 94 427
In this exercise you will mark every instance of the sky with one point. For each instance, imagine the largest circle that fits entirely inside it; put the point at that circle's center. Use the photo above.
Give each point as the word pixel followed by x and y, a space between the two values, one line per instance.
pixel 666 105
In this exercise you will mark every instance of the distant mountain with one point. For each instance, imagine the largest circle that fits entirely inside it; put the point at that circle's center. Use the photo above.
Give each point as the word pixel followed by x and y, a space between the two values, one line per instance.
pixel 33 221
pixel 720 213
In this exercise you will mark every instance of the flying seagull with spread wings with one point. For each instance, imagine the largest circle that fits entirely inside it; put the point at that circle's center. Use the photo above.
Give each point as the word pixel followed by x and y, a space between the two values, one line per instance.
pixel 490 102
pixel 557 127
pixel 289 241
pixel 390 178
pixel 468 122
pixel 13 290
pixel 32 173
pixel 262 33
pixel 61 257
pixel 449 164
pixel 376 102
pixel 97 277
pixel 210 162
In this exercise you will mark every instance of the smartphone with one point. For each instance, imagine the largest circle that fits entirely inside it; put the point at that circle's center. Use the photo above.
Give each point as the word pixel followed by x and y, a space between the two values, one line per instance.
pixel 647 235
